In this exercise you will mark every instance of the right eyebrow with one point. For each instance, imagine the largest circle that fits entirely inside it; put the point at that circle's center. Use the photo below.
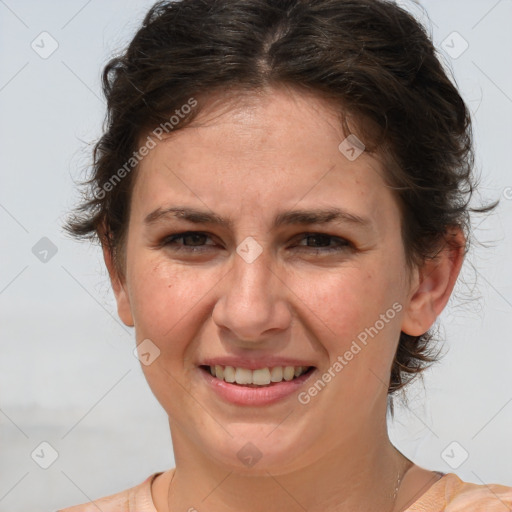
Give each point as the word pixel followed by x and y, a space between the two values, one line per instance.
pixel 291 217
pixel 189 214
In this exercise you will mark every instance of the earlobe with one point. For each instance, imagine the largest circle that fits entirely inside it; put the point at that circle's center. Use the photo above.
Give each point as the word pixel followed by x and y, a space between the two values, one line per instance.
pixel 433 285
pixel 119 288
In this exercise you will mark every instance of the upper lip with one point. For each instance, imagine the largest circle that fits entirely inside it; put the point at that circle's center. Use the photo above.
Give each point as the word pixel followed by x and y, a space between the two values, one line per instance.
pixel 253 363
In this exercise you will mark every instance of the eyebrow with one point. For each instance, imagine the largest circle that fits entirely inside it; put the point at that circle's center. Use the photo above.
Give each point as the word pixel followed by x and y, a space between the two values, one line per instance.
pixel 292 217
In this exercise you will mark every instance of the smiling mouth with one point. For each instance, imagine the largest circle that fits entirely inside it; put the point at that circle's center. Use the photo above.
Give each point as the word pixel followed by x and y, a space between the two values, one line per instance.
pixel 262 377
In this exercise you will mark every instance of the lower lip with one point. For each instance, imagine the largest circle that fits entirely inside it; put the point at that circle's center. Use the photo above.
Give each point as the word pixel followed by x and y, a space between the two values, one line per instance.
pixel 264 395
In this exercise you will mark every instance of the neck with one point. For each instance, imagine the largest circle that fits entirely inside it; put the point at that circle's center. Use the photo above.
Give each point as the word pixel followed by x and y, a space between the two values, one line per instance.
pixel 353 476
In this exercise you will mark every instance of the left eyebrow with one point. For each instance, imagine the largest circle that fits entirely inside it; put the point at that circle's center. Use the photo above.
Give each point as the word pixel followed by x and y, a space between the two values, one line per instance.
pixel 321 216
pixel 291 217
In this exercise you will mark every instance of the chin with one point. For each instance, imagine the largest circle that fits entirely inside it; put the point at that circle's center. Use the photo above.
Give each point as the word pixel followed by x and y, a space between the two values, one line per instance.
pixel 253 451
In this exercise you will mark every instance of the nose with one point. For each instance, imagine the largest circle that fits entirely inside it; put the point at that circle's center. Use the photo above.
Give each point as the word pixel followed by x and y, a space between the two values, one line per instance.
pixel 253 304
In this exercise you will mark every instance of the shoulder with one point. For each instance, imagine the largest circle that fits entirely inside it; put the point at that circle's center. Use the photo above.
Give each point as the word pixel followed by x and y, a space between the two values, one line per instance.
pixel 137 498
pixel 451 494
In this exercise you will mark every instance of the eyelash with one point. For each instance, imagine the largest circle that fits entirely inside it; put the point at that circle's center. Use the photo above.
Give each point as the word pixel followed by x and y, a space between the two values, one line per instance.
pixel 169 242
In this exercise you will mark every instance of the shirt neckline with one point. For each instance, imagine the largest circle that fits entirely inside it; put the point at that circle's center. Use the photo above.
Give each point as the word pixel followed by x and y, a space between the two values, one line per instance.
pixel 145 499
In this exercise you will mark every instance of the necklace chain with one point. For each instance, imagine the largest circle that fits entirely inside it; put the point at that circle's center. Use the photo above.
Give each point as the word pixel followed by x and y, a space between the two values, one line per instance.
pixel 399 483
pixel 395 493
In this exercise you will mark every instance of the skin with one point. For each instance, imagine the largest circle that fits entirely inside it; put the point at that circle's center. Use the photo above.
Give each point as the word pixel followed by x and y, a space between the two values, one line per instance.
pixel 249 160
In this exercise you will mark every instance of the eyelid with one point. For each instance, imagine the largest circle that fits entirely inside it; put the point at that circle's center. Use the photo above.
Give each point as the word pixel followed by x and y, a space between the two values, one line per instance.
pixel 327 235
pixel 180 235
pixel 343 243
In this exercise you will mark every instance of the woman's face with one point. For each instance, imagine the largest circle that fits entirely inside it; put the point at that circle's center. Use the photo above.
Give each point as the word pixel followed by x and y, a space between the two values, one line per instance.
pixel 266 288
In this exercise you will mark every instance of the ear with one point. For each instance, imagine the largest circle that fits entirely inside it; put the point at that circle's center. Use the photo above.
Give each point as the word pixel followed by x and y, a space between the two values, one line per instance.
pixel 119 287
pixel 433 283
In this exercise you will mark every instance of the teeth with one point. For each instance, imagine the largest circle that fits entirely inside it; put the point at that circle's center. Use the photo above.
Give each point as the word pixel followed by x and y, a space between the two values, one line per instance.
pixel 288 373
pixel 229 374
pixel 259 377
pixel 276 375
pixel 243 376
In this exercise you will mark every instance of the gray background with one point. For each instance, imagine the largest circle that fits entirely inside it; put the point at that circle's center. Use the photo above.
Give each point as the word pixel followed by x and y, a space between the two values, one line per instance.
pixel 68 376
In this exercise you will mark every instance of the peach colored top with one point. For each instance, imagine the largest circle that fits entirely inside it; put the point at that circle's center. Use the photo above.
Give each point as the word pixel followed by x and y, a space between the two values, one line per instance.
pixel 448 494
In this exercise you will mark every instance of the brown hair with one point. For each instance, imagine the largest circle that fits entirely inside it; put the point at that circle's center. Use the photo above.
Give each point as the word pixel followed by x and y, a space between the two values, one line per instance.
pixel 371 58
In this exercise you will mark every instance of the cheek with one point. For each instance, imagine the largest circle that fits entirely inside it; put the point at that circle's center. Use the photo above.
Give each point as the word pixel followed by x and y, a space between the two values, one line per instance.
pixel 169 301
pixel 161 295
pixel 168 304
pixel 356 316
pixel 348 300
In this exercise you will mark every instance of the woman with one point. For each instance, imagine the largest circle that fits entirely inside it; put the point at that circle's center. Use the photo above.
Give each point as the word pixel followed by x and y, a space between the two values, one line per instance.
pixel 282 195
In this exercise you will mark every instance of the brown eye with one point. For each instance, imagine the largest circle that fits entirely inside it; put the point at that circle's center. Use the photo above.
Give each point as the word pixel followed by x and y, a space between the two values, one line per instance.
pixel 321 242
pixel 193 241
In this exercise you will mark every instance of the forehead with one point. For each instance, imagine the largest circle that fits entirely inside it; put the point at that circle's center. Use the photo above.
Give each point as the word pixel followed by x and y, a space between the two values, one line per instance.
pixel 269 149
